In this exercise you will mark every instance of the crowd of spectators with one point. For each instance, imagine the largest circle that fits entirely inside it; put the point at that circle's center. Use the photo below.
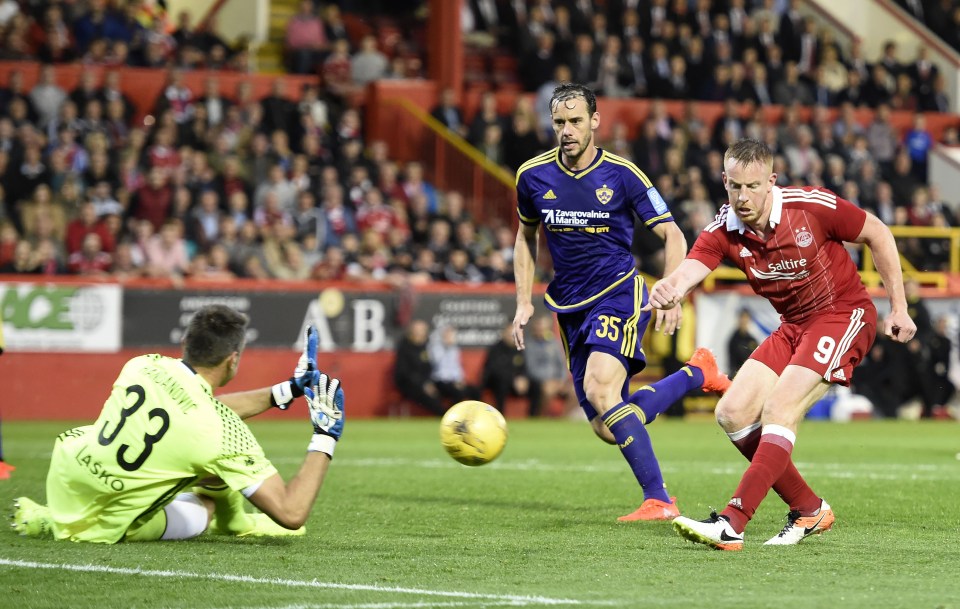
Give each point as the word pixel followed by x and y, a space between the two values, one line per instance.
pixel 135 33
pixel 762 51
pixel 942 17
pixel 221 185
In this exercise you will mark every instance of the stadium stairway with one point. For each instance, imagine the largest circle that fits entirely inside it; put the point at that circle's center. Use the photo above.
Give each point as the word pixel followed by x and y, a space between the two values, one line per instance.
pixel 270 54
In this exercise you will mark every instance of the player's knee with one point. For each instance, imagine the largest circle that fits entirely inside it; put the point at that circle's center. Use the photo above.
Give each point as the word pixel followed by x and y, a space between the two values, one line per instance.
pixel 603 432
pixel 600 396
pixel 731 415
pixel 188 515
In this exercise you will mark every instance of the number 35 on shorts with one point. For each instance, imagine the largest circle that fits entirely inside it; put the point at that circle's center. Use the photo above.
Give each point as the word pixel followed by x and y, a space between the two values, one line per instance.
pixel 609 327
pixel 623 335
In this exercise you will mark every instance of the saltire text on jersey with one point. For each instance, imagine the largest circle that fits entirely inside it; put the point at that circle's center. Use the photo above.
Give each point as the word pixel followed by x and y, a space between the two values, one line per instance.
pixel 588 219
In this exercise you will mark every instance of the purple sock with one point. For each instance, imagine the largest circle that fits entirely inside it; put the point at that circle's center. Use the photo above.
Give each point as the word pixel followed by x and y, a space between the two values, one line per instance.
pixel 625 422
pixel 654 399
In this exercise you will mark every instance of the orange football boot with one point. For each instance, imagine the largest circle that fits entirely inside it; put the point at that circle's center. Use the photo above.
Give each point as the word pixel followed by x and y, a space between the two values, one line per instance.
pixel 653 509
pixel 713 379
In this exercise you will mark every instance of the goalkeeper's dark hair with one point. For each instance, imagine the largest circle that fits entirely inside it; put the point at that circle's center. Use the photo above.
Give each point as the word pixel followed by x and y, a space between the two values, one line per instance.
pixel 571 90
pixel 214 332
pixel 748 151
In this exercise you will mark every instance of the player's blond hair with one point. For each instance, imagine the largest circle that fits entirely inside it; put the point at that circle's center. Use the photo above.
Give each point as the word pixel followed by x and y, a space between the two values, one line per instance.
pixel 748 151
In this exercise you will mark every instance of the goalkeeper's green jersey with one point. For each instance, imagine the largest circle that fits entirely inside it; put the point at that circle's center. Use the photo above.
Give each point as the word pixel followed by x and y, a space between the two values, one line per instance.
pixel 159 431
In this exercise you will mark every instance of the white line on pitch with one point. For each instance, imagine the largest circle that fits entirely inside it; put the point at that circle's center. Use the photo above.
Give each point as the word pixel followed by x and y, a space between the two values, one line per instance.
pixel 869 471
pixel 511 599
pixel 408 605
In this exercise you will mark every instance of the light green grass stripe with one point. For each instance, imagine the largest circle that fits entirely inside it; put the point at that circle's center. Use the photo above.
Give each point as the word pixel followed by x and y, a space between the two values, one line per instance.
pixel 518 600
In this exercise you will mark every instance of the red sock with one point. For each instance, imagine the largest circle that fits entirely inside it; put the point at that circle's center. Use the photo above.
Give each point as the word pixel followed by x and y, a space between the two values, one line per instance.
pixel 791 486
pixel 768 464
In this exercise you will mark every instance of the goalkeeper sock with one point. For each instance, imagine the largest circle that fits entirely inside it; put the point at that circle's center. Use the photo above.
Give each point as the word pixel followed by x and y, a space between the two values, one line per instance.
pixel 656 398
pixel 229 509
pixel 625 421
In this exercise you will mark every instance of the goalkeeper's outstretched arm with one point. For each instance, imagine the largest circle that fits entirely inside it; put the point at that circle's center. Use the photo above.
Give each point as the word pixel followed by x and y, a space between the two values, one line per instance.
pixel 289 504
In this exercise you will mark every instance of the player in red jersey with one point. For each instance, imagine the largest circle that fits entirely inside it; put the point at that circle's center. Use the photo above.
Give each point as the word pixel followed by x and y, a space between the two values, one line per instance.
pixel 789 242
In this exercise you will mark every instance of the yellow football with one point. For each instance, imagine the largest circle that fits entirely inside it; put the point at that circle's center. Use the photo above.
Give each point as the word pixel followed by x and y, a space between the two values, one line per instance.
pixel 473 432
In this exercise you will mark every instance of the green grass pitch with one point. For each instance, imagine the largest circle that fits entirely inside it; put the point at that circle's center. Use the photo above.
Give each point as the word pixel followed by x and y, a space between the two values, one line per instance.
pixel 400 525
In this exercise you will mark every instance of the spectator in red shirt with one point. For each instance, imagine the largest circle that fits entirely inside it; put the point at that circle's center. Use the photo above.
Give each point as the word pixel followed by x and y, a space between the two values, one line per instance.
pixel 86 223
pixel 152 201
pixel 162 154
pixel 91 259
pixel 375 215
pixel 8 241
pixel 337 72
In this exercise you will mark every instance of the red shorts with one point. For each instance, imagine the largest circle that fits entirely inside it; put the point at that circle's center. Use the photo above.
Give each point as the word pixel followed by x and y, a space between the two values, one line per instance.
pixel 830 344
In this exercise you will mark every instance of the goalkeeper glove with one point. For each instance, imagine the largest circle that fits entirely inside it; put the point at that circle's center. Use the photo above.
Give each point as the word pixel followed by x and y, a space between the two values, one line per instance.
pixel 282 394
pixel 325 400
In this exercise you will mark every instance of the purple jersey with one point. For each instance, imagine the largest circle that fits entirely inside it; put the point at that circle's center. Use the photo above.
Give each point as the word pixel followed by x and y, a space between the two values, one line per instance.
pixel 588 219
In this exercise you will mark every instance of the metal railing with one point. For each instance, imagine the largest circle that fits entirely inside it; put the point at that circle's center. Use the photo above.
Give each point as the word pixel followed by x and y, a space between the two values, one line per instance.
pixel 869 274
pixel 453 164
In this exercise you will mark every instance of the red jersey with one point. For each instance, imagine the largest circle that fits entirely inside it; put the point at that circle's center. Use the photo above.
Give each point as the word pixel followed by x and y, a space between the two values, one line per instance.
pixel 801 267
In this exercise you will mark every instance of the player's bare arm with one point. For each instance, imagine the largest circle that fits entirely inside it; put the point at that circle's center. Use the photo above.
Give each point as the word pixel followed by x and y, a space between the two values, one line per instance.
pixel 524 264
pixel 669 291
pixel 675 248
pixel 248 403
pixel 875 234
pixel 289 504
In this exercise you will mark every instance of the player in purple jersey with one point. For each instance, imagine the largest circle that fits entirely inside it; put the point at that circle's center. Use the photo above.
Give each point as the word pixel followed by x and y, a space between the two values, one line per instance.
pixel 587 200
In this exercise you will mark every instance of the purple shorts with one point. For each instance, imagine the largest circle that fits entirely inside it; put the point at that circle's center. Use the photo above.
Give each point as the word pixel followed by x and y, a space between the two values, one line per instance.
pixel 613 325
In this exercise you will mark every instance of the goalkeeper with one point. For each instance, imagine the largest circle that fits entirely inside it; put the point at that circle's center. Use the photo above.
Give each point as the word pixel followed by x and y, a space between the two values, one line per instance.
pixel 168 460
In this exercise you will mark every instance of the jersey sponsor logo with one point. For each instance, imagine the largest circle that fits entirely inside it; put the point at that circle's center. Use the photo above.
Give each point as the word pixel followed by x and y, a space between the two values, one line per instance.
pixel 803 236
pixel 604 194
pixel 657 201
pixel 572 218
pixel 745 253
pixel 98 470
pixel 839 375
pixel 789 270
pixel 788 265
pixel 550 196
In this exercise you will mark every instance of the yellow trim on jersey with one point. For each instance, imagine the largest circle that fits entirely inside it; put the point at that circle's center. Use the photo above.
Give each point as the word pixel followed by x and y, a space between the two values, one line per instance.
pixel 527 220
pixel 629 344
pixel 541 159
pixel 660 217
pixel 625 411
pixel 566 345
pixel 633 273
pixel 577 176
pixel 619 160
